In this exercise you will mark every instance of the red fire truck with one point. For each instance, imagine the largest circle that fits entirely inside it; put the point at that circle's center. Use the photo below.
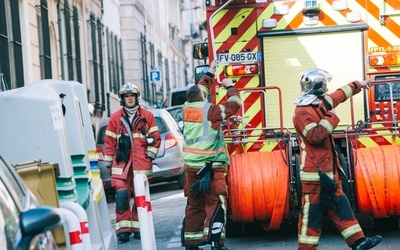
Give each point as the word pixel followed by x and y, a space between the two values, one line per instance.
pixel 266 46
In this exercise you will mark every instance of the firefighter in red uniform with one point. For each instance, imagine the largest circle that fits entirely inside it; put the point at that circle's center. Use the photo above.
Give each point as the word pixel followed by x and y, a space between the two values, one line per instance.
pixel 131 144
pixel 320 171
pixel 206 159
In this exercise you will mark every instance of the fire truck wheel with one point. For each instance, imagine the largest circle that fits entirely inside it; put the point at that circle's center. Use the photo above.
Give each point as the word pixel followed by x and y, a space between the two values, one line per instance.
pixel 233 229
pixel 391 223
pixel 254 228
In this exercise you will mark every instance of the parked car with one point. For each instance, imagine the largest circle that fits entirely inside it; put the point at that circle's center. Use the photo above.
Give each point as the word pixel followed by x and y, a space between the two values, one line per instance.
pixel 177 113
pixel 177 96
pixel 168 166
pixel 23 223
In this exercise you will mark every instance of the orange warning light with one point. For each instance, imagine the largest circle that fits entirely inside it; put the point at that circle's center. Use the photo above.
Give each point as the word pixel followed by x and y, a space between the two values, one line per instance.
pixel 384 60
pixel 241 69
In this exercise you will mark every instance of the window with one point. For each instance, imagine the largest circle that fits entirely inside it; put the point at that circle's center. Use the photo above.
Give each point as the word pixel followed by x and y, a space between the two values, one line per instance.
pixel 167 75
pixel 152 56
pixel 96 64
pixel 11 61
pixel 70 51
pixel 114 61
pixel 44 41
pixel 68 43
pixel 77 59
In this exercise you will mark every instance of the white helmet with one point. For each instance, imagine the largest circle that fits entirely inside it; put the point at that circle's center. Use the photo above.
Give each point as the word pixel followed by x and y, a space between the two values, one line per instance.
pixel 314 82
pixel 128 88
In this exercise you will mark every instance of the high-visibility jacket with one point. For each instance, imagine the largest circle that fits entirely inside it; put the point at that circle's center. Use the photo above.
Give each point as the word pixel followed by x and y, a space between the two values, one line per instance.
pixel 203 137
pixel 202 143
pixel 141 154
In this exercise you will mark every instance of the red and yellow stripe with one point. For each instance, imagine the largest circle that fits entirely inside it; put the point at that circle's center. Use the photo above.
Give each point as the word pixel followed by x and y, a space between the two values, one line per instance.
pixel 382 37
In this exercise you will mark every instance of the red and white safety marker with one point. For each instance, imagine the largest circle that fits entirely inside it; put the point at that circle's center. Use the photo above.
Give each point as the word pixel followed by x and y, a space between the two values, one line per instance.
pixel 145 213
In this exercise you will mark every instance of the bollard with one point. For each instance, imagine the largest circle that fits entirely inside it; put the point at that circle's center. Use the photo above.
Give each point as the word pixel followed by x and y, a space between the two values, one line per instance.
pixel 74 227
pixel 143 203
pixel 83 221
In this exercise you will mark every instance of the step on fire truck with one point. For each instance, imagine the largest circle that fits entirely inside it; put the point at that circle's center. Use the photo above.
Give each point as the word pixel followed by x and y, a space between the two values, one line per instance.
pixel 266 46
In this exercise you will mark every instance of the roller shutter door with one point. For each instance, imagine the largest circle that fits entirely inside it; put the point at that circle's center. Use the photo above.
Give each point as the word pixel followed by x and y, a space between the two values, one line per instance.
pixel 286 58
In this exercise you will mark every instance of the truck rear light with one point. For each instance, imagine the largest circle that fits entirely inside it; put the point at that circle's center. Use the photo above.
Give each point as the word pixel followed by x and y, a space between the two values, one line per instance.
pixel 170 141
pixel 241 69
pixel 384 60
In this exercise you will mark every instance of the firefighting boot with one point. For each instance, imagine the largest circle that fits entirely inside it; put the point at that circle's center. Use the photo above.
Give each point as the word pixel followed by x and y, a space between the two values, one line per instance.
pixel 123 237
pixel 193 248
pixel 368 243
pixel 216 246
pixel 136 235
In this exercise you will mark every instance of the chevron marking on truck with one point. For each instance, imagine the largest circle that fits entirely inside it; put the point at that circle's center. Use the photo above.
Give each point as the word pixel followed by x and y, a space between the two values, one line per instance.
pixel 244 19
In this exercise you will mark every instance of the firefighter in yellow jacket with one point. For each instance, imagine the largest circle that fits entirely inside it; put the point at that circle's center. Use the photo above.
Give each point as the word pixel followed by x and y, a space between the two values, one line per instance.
pixel 206 158
pixel 131 144
pixel 320 171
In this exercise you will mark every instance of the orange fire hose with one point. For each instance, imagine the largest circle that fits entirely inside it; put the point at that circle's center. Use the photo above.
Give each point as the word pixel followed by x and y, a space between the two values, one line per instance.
pixel 258 184
pixel 377 180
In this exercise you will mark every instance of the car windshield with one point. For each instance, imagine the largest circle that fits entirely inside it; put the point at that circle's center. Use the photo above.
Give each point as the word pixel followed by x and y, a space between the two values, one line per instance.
pixel 178 98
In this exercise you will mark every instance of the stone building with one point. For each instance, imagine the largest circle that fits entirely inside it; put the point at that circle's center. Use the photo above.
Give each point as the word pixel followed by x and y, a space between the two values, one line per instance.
pixel 101 44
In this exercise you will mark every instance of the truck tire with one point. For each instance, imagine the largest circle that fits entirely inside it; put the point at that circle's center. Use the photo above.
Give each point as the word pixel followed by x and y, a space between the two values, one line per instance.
pixel 233 229
pixel 391 223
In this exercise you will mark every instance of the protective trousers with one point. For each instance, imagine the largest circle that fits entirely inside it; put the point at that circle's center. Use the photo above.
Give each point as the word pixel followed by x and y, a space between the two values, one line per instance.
pixel 126 215
pixel 310 220
pixel 205 214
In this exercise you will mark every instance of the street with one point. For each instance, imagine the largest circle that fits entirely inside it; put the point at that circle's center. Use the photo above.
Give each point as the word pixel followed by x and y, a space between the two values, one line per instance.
pixel 169 203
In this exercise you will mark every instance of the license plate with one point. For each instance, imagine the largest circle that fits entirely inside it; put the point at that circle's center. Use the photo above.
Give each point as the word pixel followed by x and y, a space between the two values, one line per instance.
pixel 239 57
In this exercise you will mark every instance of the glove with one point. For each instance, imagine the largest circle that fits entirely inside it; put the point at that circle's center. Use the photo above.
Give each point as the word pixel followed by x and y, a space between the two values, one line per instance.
pixel 194 188
pixel 205 182
pixel 328 199
pixel 202 185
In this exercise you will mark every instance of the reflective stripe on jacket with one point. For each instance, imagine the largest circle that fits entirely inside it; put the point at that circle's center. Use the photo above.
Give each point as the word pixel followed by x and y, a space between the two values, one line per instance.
pixel 139 155
pixel 314 125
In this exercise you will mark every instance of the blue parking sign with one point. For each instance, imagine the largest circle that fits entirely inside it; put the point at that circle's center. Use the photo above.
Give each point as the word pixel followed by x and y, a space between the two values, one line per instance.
pixel 155 75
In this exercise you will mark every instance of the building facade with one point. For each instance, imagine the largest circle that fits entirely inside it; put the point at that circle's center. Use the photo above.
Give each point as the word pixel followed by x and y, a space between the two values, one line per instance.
pixel 101 44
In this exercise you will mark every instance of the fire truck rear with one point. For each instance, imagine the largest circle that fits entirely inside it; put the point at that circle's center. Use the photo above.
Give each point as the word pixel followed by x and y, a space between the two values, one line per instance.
pixel 265 46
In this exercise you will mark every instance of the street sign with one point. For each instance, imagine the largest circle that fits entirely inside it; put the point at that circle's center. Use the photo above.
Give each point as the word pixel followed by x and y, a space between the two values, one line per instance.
pixel 155 75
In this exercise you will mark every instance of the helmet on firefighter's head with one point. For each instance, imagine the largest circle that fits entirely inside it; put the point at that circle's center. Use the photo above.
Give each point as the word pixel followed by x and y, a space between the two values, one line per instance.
pixel 314 82
pixel 128 88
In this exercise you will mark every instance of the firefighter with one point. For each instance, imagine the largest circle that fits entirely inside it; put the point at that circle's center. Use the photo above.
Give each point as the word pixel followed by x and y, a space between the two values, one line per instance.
pixel 320 171
pixel 206 158
pixel 131 144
